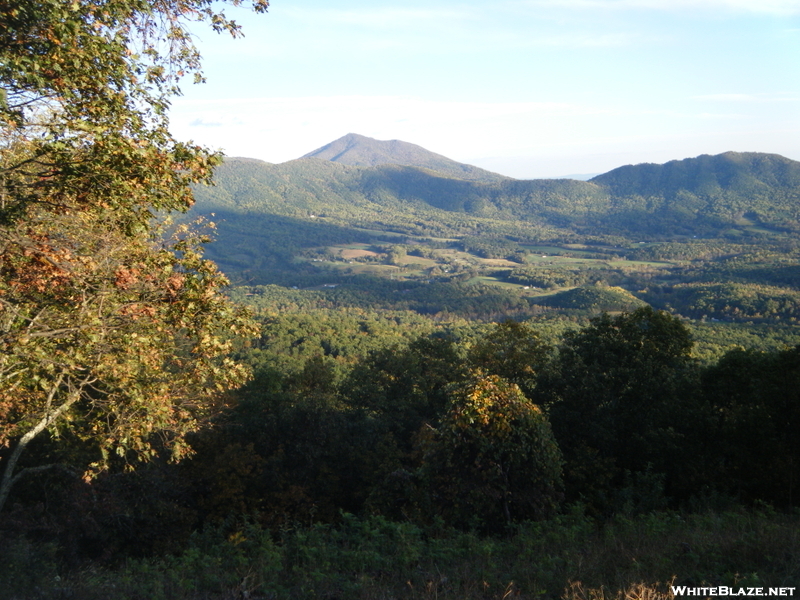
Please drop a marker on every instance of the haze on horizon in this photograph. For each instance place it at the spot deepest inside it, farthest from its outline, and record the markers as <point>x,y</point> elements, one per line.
<point>526,88</point>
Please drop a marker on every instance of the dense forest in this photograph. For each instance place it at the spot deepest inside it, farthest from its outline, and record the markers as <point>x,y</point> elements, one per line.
<point>399,376</point>
<point>376,448</point>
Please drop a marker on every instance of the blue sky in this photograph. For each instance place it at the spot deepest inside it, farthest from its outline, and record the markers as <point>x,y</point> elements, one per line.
<point>527,88</point>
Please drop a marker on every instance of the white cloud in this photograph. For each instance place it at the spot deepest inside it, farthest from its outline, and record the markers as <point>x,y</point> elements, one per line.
<point>489,134</point>
<point>280,129</point>
<point>742,98</point>
<point>772,7</point>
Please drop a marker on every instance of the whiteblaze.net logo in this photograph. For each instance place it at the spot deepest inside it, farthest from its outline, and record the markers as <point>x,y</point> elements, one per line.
<point>723,590</point>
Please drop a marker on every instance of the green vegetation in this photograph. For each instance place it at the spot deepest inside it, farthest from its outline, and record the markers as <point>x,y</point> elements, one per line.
<point>743,197</point>
<point>423,469</point>
<point>359,150</point>
<point>113,329</point>
<point>373,558</point>
<point>524,244</point>
<point>594,298</point>
<point>428,382</point>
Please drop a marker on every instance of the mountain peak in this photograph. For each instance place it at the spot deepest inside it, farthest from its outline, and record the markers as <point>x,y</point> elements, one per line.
<point>360,150</point>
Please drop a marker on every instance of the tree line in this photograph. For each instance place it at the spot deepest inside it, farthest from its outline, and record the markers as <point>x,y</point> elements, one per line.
<point>476,432</point>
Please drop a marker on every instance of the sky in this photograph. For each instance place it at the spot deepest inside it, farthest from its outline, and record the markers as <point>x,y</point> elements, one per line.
<point>526,88</point>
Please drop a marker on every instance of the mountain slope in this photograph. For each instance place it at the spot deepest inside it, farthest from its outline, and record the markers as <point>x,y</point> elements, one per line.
<point>277,217</point>
<point>390,194</point>
<point>362,151</point>
<point>704,196</point>
<point>730,187</point>
<point>740,172</point>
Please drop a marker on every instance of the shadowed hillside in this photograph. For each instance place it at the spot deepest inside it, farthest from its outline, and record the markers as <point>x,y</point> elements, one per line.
<point>704,196</point>
<point>297,218</point>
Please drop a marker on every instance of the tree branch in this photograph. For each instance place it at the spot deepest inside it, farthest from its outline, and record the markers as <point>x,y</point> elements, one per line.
<point>44,422</point>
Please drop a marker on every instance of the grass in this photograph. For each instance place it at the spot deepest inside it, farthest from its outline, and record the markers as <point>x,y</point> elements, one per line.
<point>569,557</point>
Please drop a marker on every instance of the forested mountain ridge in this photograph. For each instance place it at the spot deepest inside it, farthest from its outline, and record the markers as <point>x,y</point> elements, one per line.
<point>730,186</point>
<point>359,150</point>
<point>703,196</point>
<point>706,237</point>
<point>736,171</point>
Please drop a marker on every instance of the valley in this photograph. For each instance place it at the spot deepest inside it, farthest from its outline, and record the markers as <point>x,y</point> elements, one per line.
<point>712,239</point>
<point>374,371</point>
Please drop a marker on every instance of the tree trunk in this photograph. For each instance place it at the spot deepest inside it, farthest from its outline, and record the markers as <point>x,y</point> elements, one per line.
<point>9,479</point>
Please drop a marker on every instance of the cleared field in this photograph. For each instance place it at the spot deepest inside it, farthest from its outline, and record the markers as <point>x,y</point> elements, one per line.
<point>355,253</point>
<point>640,263</point>
<point>366,269</point>
<point>417,262</point>
<point>506,285</point>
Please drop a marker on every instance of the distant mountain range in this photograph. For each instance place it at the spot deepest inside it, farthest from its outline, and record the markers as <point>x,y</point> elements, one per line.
<point>357,187</point>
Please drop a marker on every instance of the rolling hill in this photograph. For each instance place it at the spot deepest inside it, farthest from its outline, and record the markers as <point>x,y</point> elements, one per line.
<point>595,298</point>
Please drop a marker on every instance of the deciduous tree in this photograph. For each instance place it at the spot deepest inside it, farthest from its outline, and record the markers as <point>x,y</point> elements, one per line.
<point>106,325</point>
<point>619,398</point>
<point>513,351</point>
<point>493,459</point>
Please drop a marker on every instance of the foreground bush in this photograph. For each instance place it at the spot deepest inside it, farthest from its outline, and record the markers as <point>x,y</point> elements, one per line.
<point>568,557</point>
